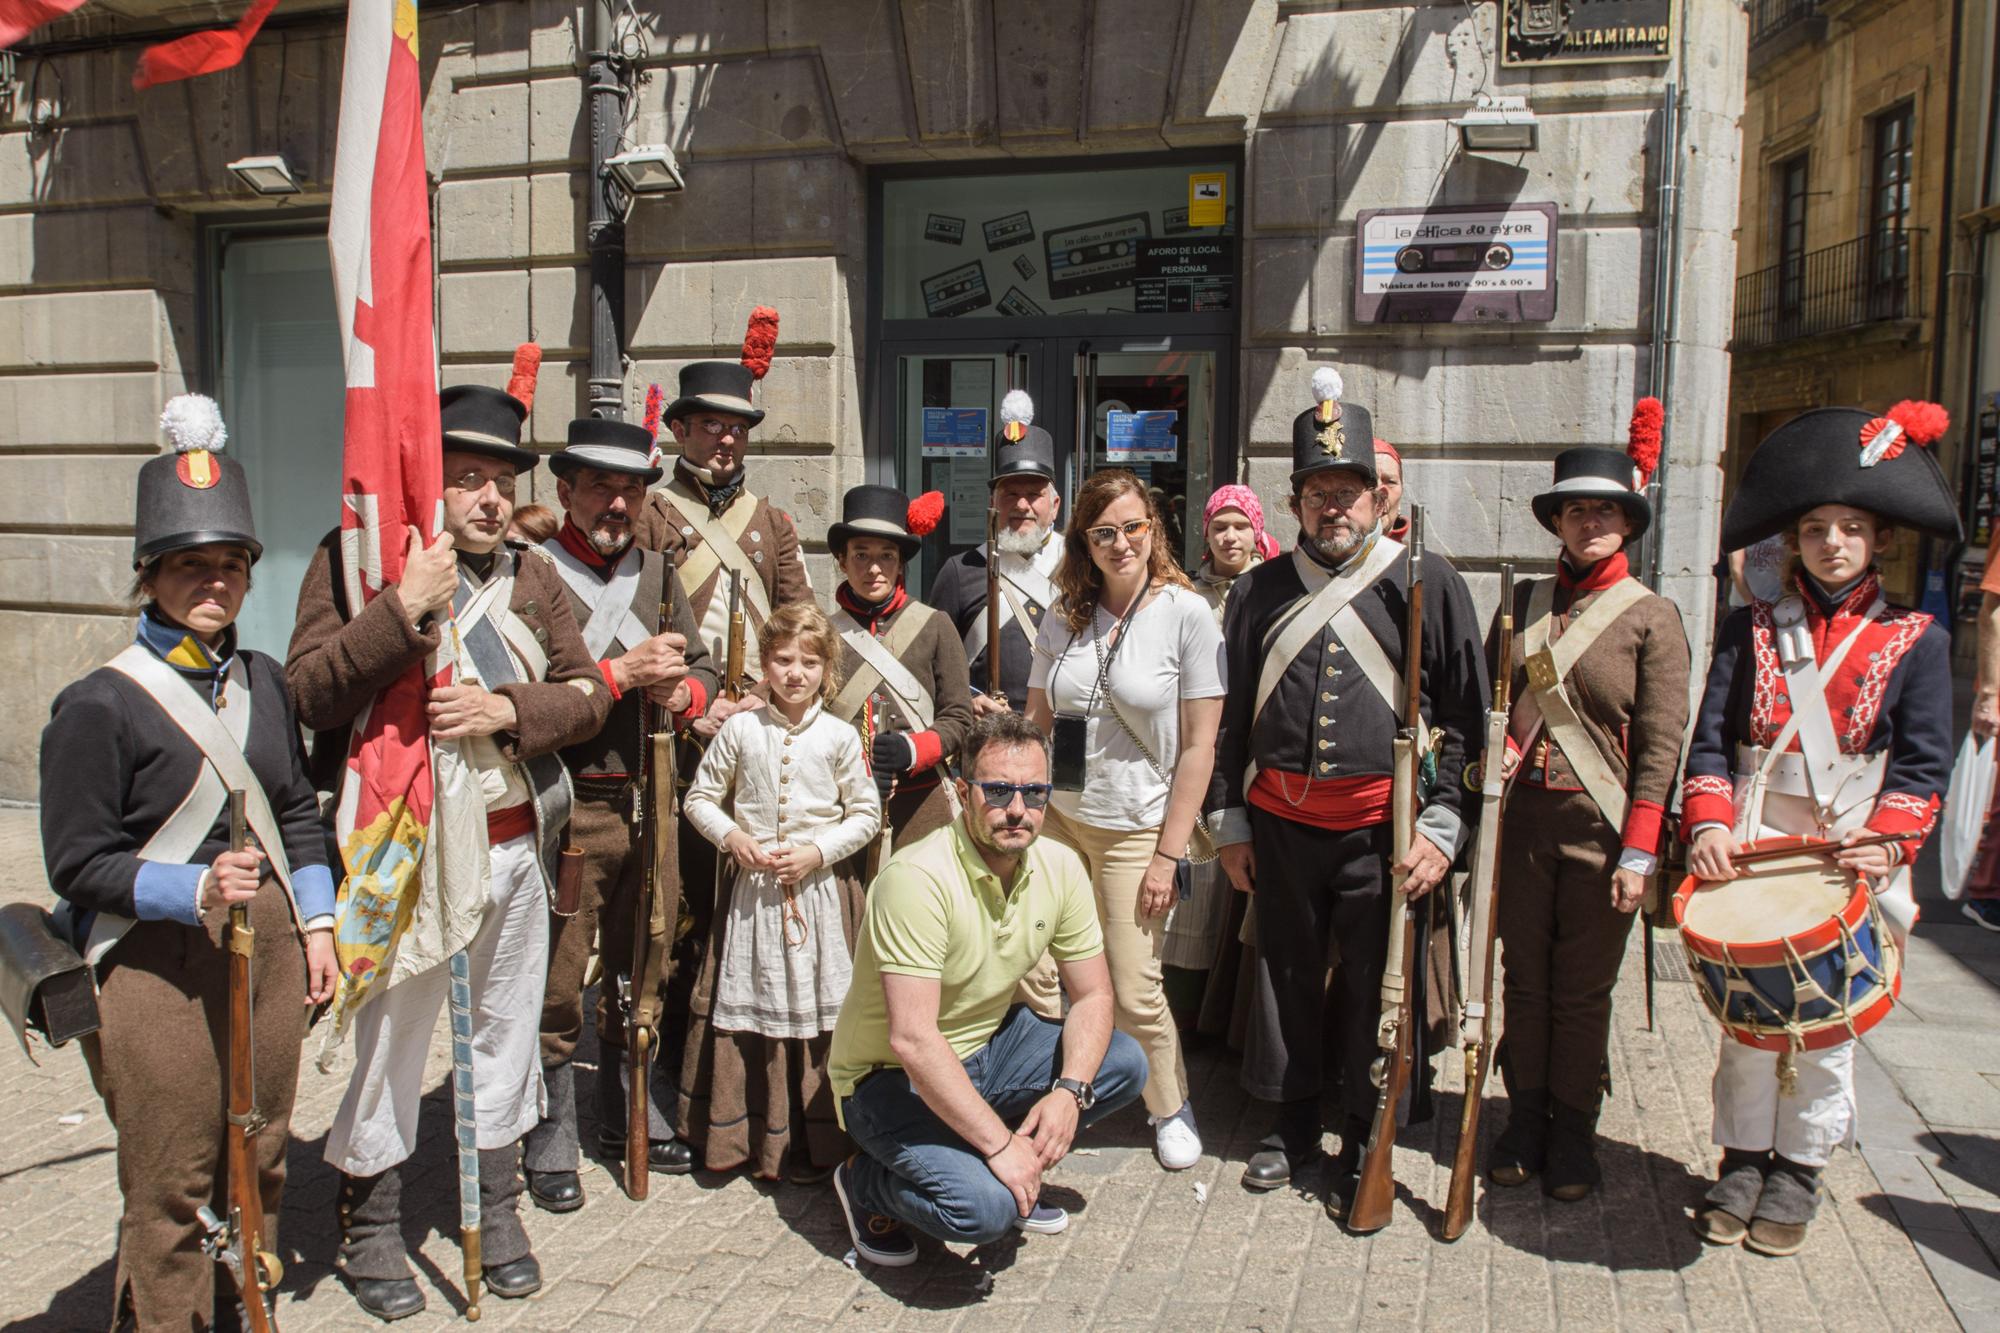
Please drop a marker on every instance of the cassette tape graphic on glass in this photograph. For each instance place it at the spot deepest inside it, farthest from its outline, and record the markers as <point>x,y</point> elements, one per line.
<point>957,291</point>
<point>1095,257</point>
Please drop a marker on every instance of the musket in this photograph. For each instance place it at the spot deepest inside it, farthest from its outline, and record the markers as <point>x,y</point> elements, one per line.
<point>650,917</point>
<point>879,849</point>
<point>1476,1028</point>
<point>993,605</point>
<point>732,676</point>
<point>1375,1195</point>
<point>238,1245</point>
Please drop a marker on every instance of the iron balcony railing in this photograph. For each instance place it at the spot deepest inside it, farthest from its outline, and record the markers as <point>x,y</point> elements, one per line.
<point>1867,280</point>
<point>1771,17</point>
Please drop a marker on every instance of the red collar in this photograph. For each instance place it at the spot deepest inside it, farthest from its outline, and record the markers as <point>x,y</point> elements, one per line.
<point>865,613</point>
<point>1859,598</point>
<point>579,546</point>
<point>1599,577</point>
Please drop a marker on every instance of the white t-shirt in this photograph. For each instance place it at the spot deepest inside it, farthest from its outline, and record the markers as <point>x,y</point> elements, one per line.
<point>1174,653</point>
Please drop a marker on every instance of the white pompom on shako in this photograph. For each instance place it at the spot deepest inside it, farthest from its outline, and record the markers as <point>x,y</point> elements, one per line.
<point>1017,413</point>
<point>193,421</point>
<point>1327,386</point>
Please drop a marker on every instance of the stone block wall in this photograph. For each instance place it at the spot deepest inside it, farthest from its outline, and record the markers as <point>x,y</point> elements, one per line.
<point>777,111</point>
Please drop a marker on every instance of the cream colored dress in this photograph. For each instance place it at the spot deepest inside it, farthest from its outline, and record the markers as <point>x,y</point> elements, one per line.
<point>785,967</point>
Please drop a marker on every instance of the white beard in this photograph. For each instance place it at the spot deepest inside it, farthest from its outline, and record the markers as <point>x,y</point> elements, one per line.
<point>1016,542</point>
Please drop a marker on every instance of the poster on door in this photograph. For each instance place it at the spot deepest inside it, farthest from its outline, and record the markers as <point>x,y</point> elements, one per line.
<point>1141,437</point>
<point>954,432</point>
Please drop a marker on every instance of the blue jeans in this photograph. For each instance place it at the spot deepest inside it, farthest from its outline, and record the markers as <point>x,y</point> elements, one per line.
<point>915,1168</point>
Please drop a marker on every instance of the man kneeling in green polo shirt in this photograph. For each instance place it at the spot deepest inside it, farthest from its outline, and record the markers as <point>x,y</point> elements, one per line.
<point>958,1097</point>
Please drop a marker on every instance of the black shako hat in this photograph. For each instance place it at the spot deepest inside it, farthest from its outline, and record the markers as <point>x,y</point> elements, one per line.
<point>1592,473</point>
<point>874,511</point>
<point>481,420</point>
<point>614,446</point>
<point>1020,447</point>
<point>1843,455</point>
<point>715,386</point>
<point>192,495</point>
<point>1332,434</point>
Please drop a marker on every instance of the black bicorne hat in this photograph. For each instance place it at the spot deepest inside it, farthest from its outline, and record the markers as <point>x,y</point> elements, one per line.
<point>1845,456</point>
<point>480,420</point>
<point>1591,473</point>
<point>1332,434</point>
<point>614,446</point>
<point>882,511</point>
<point>715,386</point>
<point>192,495</point>
<point>1020,447</point>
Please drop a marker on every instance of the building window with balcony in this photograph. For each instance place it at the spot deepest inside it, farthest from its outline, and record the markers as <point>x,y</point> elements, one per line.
<point>1891,158</point>
<point>1789,191</point>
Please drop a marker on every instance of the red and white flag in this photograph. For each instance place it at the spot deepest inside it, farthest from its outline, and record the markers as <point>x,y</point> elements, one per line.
<point>392,472</point>
<point>18,18</point>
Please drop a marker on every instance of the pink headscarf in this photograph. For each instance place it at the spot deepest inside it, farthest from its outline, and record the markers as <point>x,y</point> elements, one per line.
<point>1234,496</point>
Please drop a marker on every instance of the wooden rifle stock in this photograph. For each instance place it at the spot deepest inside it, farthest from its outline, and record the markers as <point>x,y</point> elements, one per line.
<point>733,664</point>
<point>240,1242</point>
<point>651,932</point>
<point>1375,1195</point>
<point>1477,1029</point>
<point>993,605</point>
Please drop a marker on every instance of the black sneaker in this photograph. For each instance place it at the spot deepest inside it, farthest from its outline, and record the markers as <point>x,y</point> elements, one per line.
<point>880,1240</point>
<point>1983,912</point>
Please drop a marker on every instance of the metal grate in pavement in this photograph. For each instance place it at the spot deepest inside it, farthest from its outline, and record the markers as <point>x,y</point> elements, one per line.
<point>1670,957</point>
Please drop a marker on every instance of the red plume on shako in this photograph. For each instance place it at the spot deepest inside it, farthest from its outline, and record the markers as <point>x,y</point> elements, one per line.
<point>1643,439</point>
<point>760,340</point>
<point>925,511</point>
<point>527,366</point>
<point>1907,422</point>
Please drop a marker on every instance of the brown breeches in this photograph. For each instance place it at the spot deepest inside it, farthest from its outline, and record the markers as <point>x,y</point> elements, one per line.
<point>612,872</point>
<point>1562,942</point>
<point>161,1064</point>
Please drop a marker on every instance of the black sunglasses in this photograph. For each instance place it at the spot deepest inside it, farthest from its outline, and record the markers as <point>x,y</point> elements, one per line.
<point>1034,795</point>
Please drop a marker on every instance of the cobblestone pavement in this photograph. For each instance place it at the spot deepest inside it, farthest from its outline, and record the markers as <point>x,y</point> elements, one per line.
<point>1146,1249</point>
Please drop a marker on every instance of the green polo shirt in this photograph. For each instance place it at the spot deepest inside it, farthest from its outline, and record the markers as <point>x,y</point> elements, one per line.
<point>936,910</point>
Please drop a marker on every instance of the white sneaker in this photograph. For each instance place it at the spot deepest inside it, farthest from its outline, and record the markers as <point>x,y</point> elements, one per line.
<point>1176,1140</point>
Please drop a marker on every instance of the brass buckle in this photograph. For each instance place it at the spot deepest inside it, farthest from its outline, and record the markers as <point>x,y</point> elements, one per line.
<point>1542,671</point>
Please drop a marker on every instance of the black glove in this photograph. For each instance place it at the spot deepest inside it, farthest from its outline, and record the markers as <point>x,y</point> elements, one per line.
<point>892,754</point>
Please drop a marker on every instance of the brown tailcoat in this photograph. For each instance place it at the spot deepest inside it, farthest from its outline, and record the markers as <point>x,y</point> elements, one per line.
<point>771,540</point>
<point>339,662</point>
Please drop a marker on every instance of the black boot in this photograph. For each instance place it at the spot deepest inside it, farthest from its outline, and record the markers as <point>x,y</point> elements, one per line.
<point>1785,1208</point>
<point>1725,1212</point>
<point>1571,1170</point>
<point>1522,1149</point>
<point>1354,1132</point>
<point>665,1155</point>
<point>511,1270</point>
<point>1288,1149</point>
<point>550,1152</point>
<point>371,1246</point>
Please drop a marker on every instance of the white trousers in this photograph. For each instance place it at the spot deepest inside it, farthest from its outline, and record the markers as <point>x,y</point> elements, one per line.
<point>1753,1114</point>
<point>376,1126</point>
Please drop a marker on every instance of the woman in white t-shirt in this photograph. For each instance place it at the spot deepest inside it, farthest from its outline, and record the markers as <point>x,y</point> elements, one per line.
<point>1127,680</point>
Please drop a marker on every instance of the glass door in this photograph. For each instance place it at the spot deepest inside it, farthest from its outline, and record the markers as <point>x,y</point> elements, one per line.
<point>946,400</point>
<point>1154,407</point>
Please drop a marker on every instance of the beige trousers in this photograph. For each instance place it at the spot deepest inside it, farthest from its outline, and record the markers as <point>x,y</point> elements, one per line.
<point>1117,861</point>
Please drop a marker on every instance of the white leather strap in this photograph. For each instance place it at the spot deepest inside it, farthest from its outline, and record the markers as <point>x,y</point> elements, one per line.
<point>882,664</point>
<point>721,545</point>
<point>1020,586</point>
<point>1549,667</point>
<point>1309,616</point>
<point>610,620</point>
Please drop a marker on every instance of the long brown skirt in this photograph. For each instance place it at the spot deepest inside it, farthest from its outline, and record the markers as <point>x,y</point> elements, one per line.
<point>746,1098</point>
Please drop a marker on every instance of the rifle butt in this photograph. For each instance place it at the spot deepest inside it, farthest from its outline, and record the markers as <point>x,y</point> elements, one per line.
<point>1375,1195</point>
<point>638,1139</point>
<point>1465,1157</point>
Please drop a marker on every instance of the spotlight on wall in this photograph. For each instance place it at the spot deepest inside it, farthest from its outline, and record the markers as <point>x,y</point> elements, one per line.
<point>1498,125</point>
<point>649,169</point>
<point>266,175</point>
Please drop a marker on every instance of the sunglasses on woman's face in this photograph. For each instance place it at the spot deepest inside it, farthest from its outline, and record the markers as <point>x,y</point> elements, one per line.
<point>1108,534</point>
<point>1034,795</point>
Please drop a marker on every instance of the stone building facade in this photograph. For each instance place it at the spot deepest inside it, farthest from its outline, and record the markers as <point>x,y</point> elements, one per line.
<point>820,141</point>
<point>1844,256</point>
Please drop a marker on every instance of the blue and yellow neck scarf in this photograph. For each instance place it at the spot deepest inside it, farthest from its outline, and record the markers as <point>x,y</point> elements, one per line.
<point>201,666</point>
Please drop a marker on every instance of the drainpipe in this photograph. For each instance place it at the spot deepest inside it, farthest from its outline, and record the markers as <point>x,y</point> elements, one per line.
<point>1666,319</point>
<point>606,90</point>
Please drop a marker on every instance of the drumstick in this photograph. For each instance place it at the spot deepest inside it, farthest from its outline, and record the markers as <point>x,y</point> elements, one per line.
<point>1812,848</point>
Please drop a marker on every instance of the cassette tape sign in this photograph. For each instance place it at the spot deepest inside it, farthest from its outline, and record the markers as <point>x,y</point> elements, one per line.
<point>1095,257</point>
<point>1461,264</point>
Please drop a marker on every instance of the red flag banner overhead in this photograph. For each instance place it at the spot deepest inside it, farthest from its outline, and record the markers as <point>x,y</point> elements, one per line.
<point>392,468</point>
<point>18,18</point>
<point>201,52</point>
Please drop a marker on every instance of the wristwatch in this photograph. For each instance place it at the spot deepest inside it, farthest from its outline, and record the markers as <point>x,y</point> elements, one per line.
<point>1086,1096</point>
